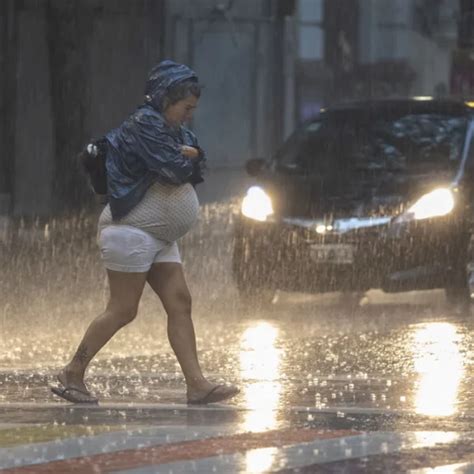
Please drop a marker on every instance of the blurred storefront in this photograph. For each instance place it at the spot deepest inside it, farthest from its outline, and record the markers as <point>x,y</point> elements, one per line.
<point>374,49</point>
<point>73,69</point>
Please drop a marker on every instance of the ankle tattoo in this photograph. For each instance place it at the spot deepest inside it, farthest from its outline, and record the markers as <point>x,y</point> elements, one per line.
<point>81,355</point>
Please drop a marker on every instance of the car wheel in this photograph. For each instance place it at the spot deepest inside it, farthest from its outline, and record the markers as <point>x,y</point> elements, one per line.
<point>257,297</point>
<point>252,273</point>
<point>350,299</point>
<point>253,287</point>
<point>458,294</point>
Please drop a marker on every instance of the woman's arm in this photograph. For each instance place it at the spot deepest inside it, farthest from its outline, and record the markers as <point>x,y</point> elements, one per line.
<point>199,163</point>
<point>161,152</point>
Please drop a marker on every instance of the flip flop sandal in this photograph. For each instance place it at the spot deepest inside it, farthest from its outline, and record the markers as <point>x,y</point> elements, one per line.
<point>214,395</point>
<point>68,394</point>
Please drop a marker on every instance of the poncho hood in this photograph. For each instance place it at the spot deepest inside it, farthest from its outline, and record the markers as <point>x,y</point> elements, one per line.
<point>161,77</point>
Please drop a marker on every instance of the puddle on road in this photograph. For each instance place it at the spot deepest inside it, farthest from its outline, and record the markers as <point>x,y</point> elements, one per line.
<point>302,350</point>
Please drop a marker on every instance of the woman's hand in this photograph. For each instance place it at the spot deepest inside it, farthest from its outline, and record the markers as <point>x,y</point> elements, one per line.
<point>189,151</point>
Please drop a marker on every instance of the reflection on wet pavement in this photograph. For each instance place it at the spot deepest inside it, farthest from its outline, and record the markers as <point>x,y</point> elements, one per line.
<point>439,362</point>
<point>405,361</point>
<point>260,367</point>
<point>400,363</point>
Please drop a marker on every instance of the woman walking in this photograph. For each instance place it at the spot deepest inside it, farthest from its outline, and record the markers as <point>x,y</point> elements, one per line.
<point>153,163</point>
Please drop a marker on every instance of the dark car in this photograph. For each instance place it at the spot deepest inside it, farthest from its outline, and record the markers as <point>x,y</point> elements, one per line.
<point>367,195</point>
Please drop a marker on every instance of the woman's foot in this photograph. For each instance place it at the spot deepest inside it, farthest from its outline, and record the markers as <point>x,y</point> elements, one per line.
<point>72,388</point>
<point>70,379</point>
<point>210,393</point>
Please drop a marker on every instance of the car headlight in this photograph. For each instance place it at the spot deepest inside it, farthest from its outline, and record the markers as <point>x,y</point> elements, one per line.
<point>436,203</point>
<point>257,204</point>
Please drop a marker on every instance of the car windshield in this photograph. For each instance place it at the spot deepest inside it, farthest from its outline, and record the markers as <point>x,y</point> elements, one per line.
<point>404,143</point>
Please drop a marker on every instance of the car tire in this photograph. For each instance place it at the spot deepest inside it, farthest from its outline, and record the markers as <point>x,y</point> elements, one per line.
<point>458,294</point>
<point>253,291</point>
<point>350,299</point>
<point>458,300</point>
<point>252,280</point>
<point>259,298</point>
<point>457,297</point>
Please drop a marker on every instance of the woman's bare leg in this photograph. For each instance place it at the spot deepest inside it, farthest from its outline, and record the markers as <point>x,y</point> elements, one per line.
<point>169,283</point>
<point>125,293</point>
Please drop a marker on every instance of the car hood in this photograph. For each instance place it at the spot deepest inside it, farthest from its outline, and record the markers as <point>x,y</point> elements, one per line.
<point>371,194</point>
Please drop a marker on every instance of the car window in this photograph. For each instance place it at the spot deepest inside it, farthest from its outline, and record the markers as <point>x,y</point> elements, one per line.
<point>401,143</point>
<point>312,148</point>
<point>409,141</point>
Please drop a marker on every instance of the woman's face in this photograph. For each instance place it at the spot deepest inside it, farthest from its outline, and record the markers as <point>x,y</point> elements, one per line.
<point>181,111</point>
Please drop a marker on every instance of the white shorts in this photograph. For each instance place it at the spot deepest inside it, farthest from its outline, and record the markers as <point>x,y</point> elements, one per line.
<point>128,249</point>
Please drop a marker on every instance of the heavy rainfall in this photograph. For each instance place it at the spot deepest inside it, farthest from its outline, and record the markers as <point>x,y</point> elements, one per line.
<point>383,351</point>
<point>331,267</point>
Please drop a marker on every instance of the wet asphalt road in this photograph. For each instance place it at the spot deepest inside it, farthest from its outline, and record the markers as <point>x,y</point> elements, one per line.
<point>394,363</point>
<point>398,363</point>
<point>395,353</point>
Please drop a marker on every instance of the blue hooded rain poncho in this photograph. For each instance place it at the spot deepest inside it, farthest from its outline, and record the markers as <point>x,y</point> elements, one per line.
<point>145,149</point>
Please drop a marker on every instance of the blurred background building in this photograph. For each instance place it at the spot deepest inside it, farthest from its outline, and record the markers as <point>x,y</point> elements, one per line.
<point>73,69</point>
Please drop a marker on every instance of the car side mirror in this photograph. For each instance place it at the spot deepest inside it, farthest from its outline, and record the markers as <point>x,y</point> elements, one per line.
<point>254,166</point>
